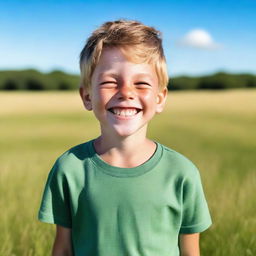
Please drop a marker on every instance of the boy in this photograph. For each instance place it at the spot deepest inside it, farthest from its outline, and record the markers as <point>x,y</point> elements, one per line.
<point>122,194</point>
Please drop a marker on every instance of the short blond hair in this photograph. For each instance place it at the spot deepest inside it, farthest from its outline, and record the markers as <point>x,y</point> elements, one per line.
<point>144,42</point>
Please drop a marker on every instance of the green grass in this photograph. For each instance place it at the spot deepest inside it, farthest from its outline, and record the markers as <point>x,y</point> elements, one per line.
<point>216,130</point>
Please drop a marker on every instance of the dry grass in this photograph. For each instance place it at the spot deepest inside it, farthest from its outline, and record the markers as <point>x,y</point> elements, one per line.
<point>216,130</point>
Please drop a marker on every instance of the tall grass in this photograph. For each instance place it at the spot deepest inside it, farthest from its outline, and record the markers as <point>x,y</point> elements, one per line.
<point>216,130</point>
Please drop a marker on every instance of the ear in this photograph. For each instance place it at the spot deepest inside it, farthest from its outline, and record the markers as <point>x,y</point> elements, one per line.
<point>86,98</point>
<point>161,99</point>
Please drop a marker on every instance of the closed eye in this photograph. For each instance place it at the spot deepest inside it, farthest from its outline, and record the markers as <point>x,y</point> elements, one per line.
<point>143,84</point>
<point>108,82</point>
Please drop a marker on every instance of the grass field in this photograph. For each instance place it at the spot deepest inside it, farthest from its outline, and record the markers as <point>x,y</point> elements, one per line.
<point>216,130</point>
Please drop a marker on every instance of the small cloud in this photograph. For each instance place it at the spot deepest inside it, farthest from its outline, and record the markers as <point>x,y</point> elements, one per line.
<point>199,38</point>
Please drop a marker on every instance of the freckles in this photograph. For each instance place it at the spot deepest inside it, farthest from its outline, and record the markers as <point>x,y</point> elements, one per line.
<point>149,96</point>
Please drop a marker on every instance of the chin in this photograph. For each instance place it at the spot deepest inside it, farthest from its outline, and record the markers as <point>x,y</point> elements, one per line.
<point>127,131</point>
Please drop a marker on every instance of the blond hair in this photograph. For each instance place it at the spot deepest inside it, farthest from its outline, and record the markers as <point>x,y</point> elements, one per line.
<point>144,42</point>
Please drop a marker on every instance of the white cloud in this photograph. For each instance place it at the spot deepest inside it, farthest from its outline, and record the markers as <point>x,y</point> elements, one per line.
<point>199,38</point>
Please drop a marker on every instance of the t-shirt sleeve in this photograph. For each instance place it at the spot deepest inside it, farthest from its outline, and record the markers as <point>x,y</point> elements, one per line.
<point>195,213</point>
<point>55,206</point>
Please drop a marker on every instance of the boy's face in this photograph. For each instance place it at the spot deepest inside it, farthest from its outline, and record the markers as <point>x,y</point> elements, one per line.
<point>124,96</point>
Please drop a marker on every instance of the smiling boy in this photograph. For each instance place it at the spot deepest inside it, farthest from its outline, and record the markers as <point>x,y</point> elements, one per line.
<point>123,194</point>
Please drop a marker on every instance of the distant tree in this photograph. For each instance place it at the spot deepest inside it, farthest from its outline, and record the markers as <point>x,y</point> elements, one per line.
<point>10,84</point>
<point>183,83</point>
<point>251,83</point>
<point>34,85</point>
<point>174,85</point>
<point>64,86</point>
<point>31,79</point>
<point>212,84</point>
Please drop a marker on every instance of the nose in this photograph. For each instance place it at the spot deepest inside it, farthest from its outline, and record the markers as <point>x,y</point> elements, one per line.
<point>126,92</point>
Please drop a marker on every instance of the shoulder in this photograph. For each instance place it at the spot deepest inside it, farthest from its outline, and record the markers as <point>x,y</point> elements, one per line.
<point>179,163</point>
<point>72,159</point>
<point>79,152</point>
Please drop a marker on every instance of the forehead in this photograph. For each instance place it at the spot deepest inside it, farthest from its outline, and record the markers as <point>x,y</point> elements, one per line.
<point>114,60</point>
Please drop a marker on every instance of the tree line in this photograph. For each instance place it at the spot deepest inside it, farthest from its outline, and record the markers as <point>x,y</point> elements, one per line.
<point>34,80</point>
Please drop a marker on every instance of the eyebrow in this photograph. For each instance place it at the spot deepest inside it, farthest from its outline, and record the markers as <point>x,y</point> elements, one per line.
<point>107,74</point>
<point>116,75</point>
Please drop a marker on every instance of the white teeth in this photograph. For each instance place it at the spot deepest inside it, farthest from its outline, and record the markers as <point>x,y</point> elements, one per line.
<point>124,112</point>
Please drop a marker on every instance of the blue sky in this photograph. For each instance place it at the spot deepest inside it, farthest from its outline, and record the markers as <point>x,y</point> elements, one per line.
<point>200,37</point>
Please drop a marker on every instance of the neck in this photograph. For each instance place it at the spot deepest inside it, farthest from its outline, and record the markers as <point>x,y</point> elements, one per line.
<point>125,152</point>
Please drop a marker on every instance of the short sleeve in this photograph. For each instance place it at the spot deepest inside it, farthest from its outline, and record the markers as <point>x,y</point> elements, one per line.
<point>195,213</point>
<point>55,206</point>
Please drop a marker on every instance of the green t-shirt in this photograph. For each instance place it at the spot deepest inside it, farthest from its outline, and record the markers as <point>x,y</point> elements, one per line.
<point>116,211</point>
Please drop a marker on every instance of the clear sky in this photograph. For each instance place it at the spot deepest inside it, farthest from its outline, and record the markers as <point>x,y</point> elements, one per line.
<point>200,37</point>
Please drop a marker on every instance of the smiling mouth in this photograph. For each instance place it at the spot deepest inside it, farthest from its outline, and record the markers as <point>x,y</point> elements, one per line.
<point>125,112</point>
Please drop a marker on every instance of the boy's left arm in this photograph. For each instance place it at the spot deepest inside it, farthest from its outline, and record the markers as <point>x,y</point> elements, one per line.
<point>189,244</point>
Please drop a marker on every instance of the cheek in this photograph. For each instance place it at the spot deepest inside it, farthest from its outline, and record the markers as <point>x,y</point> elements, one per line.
<point>149,97</point>
<point>100,98</point>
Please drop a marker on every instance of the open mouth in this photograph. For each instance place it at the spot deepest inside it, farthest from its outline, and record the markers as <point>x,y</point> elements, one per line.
<point>125,112</point>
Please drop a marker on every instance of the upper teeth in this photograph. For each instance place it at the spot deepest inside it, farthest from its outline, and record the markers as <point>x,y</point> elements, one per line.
<point>124,112</point>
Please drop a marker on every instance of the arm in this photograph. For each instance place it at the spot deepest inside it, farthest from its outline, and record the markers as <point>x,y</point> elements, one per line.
<point>189,244</point>
<point>62,245</point>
